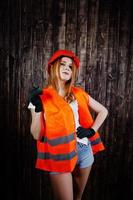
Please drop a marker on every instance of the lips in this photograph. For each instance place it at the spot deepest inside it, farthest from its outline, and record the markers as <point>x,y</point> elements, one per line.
<point>66,73</point>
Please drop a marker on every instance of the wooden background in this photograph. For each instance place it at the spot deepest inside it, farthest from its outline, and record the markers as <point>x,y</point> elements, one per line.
<point>100,32</point>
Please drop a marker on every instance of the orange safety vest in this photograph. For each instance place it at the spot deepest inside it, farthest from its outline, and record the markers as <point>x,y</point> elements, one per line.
<point>57,152</point>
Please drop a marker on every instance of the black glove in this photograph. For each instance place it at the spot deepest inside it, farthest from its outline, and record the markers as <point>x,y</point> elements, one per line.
<point>85,132</point>
<point>35,99</point>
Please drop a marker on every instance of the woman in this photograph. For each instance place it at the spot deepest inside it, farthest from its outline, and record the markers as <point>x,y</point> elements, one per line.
<point>66,134</point>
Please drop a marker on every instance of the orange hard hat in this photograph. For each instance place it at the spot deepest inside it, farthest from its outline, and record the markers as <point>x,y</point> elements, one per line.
<point>62,53</point>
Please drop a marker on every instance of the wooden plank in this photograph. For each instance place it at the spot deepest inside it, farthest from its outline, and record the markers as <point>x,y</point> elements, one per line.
<point>81,42</point>
<point>58,22</point>
<point>91,57</point>
<point>71,25</point>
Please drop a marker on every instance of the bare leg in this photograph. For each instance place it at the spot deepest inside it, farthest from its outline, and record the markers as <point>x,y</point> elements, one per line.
<point>62,186</point>
<point>80,179</point>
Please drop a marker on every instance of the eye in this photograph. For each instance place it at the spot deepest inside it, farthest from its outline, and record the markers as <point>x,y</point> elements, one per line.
<point>63,64</point>
<point>70,67</point>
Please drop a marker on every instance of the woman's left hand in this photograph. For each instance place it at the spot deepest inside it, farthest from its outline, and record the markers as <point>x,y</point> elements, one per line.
<point>85,132</point>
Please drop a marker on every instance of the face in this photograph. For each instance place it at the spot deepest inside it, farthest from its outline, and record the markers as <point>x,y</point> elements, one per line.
<point>65,69</point>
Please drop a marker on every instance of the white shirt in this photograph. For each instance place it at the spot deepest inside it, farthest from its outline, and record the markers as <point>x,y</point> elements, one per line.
<point>74,107</point>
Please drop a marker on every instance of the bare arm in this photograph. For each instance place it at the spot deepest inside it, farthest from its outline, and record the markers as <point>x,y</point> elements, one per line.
<point>35,124</point>
<point>101,111</point>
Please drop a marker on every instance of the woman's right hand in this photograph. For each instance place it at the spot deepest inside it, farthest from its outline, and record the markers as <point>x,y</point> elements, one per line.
<point>35,99</point>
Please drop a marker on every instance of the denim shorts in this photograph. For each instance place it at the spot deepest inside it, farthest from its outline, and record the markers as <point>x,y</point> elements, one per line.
<point>85,156</point>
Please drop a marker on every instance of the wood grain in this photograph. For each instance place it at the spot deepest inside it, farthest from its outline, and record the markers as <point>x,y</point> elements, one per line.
<point>100,32</point>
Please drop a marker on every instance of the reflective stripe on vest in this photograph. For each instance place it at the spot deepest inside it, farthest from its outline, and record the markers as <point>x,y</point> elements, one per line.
<point>97,141</point>
<point>59,140</point>
<point>57,157</point>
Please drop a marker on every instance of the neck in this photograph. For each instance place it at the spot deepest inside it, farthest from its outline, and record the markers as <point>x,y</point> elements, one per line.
<point>61,90</point>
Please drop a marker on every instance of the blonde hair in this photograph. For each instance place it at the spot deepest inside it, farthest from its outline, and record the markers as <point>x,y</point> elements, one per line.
<point>53,80</point>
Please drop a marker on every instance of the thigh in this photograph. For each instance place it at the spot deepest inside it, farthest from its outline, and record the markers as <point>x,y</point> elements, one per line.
<point>83,168</point>
<point>80,177</point>
<point>62,186</point>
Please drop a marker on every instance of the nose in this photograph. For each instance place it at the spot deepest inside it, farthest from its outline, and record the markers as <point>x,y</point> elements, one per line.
<point>66,67</point>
